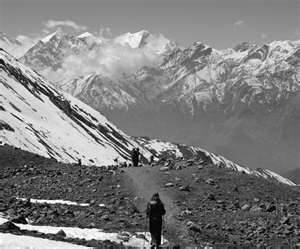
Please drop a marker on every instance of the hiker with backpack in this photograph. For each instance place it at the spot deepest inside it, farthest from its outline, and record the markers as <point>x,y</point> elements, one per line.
<point>155,213</point>
<point>135,156</point>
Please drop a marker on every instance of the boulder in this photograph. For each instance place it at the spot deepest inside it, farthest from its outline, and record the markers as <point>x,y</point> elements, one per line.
<point>169,184</point>
<point>245,207</point>
<point>186,188</point>
<point>270,207</point>
<point>9,227</point>
<point>211,197</point>
<point>193,227</point>
<point>210,181</point>
<point>124,236</point>
<point>255,208</point>
<point>61,233</point>
<point>164,168</point>
<point>19,219</point>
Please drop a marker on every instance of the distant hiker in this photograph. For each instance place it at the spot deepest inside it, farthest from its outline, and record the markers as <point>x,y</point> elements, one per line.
<point>79,162</point>
<point>138,154</point>
<point>135,157</point>
<point>151,160</point>
<point>155,212</point>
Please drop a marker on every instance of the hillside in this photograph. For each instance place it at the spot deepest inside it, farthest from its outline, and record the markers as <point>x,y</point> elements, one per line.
<point>206,205</point>
<point>37,118</point>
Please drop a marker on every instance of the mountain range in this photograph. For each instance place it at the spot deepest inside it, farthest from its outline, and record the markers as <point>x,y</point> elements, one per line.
<point>241,102</point>
<point>36,117</point>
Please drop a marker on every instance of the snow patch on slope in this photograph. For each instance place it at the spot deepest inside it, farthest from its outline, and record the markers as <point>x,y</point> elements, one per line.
<point>52,202</point>
<point>11,241</point>
<point>90,234</point>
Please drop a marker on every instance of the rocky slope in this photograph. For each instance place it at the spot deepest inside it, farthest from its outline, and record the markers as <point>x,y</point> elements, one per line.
<point>206,204</point>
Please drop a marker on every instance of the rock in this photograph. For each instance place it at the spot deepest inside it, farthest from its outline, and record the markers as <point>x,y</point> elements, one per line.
<point>255,208</point>
<point>270,207</point>
<point>193,227</point>
<point>210,181</point>
<point>61,233</point>
<point>9,226</point>
<point>164,168</point>
<point>245,207</point>
<point>105,217</point>
<point>141,236</point>
<point>200,167</point>
<point>92,202</point>
<point>92,225</point>
<point>211,197</point>
<point>169,184</point>
<point>178,167</point>
<point>186,188</point>
<point>19,219</point>
<point>285,220</point>
<point>124,236</point>
<point>186,212</point>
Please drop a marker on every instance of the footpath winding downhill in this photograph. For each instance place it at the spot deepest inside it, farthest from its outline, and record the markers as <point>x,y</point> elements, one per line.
<point>144,182</point>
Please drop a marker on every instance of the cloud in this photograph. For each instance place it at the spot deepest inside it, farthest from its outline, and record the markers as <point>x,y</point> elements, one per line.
<point>109,59</point>
<point>239,23</point>
<point>50,24</point>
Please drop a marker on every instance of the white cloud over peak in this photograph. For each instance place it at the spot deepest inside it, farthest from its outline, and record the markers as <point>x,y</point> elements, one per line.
<point>51,24</point>
<point>109,59</point>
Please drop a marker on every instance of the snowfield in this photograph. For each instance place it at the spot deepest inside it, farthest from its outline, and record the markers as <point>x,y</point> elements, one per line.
<point>62,202</point>
<point>10,240</point>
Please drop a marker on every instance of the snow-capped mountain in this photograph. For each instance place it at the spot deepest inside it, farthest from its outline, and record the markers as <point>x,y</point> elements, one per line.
<point>157,43</point>
<point>37,118</point>
<point>52,51</point>
<point>227,100</point>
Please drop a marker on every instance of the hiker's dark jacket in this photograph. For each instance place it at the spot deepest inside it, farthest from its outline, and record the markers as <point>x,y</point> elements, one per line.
<point>135,154</point>
<point>155,211</point>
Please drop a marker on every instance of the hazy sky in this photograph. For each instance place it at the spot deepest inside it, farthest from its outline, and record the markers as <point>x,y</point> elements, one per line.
<point>220,23</point>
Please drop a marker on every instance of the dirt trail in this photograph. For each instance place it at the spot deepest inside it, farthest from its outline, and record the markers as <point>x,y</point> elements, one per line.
<point>145,181</point>
<point>144,184</point>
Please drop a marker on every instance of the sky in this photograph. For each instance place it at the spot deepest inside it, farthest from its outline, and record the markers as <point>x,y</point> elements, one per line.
<point>219,23</point>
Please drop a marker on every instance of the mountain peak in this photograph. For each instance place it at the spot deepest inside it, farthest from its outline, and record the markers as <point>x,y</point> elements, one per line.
<point>49,37</point>
<point>85,34</point>
<point>133,40</point>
